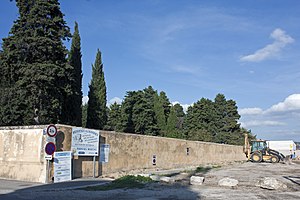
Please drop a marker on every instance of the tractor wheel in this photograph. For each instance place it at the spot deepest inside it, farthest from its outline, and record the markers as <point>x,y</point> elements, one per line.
<point>256,157</point>
<point>274,159</point>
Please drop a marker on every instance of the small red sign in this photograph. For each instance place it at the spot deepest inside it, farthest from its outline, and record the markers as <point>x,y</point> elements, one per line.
<point>50,148</point>
<point>51,130</point>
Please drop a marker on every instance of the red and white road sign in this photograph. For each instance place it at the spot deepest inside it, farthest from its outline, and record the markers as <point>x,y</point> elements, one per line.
<point>51,130</point>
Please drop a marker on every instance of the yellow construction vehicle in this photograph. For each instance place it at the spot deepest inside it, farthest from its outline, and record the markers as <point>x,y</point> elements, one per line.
<point>258,151</point>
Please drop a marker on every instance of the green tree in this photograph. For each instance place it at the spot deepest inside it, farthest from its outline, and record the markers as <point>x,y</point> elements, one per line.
<point>164,100</point>
<point>125,123</point>
<point>228,129</point>
<point>173,125</point>
<point>159,115</point>
<point>199,122</point>
<point>143,114</point>
<point>137,113</point>
<point>84,114</point>
<point>179,110</point>
<point>114,116</point>
<point>71,110</point>
<point>33,64</point>
<point>96,112</point>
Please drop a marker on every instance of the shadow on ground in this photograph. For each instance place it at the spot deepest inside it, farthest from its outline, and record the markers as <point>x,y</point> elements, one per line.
<point>71,190</point>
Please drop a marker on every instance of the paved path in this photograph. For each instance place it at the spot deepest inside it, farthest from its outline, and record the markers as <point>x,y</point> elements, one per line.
<point>11,189</point>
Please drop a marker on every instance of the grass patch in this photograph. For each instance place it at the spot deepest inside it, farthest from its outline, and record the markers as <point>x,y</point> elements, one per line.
<point>206,169</point>
<point>125,182</point>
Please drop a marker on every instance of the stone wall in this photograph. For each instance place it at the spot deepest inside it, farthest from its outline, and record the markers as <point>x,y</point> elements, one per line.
<point>129,152</point>
<point>22,155</point>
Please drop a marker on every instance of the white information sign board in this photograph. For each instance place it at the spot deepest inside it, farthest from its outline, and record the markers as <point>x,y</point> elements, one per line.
<point>85,142</point>
<point>104,153</point>
<point>62,166</point>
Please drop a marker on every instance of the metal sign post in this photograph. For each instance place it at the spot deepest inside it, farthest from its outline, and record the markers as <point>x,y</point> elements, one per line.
<point>94,167</point>
<point>50,147</point>
<point>48,171</point>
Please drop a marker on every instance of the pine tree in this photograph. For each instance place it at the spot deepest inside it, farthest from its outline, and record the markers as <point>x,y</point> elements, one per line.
<point>33,65</point>
<point>165,103</point>
<point>228,128</point>
<point>160,115</point>
<point>179,110</point>
<point>137,113</point>
<point>199,123</point>
<point>97,112</point>
<point>71,109</point>
<point>125,123</point>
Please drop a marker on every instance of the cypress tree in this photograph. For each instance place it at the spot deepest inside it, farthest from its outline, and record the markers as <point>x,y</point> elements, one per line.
<point>71,110</point>
<point>172,125</point>
<point>33,65</point>
<point>84,114</point>
<point>97,112</point>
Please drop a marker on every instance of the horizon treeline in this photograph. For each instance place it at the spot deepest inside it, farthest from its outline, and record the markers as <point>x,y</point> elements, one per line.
<point>149,112</point>
<point>41,83</point>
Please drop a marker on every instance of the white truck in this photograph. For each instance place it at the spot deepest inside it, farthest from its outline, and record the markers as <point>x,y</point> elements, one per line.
<point>286,147</point>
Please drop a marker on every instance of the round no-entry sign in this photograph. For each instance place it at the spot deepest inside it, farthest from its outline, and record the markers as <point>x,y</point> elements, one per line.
<point>50,148</point>
<point>51,130</point>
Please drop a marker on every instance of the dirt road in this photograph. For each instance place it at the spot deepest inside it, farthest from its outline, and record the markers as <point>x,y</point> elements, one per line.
<point>247,174</point>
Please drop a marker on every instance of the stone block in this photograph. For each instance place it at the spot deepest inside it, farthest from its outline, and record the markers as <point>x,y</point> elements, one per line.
<point>196,180</point>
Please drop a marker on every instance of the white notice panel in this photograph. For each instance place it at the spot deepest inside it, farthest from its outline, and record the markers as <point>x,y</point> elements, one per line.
<point>104,153</point>
<point>85,142</point>
<point>62,166</point>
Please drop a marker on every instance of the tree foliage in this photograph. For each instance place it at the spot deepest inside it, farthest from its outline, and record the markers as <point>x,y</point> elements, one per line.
<point>97,112</point>
<point>114,116</point>
<point>214,121</point>
<point>33,65</point>
<point>71,109</point>
<point>39,84</point>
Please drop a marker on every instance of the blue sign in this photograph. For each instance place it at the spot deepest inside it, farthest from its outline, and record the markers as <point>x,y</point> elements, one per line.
<point>50,148</point>
<point>62,166</point>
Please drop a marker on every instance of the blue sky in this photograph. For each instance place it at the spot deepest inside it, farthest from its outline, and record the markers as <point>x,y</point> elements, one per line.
<point>248,50</point>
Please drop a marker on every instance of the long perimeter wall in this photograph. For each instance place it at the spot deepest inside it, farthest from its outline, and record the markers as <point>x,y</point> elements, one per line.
<point>129,152</point>
<point>22,154</point>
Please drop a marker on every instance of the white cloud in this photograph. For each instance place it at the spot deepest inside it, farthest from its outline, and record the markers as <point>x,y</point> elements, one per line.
<point>281,40</point>
<point>85,99</point>
<point>253,123</point>
<point>291,103</point>
<point>113,100</point>
<point>185,69</point>
<point>250,111</point>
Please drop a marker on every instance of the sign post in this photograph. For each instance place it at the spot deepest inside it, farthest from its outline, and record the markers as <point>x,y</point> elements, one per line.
<point>50,146</point>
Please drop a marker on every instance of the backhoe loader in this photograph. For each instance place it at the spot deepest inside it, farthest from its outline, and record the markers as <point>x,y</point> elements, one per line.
<point>258,151</point>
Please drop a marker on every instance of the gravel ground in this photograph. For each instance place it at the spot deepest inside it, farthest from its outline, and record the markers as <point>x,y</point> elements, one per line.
<point>246,173</point>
